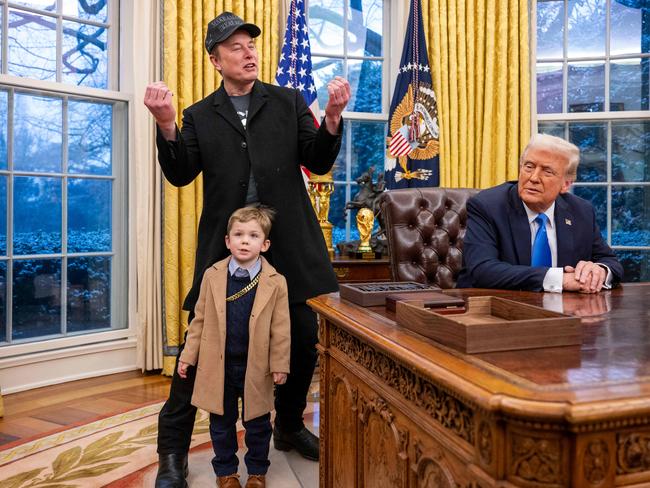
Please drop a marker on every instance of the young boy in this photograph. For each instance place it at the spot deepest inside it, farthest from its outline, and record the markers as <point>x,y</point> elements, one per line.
<point>240,337</point>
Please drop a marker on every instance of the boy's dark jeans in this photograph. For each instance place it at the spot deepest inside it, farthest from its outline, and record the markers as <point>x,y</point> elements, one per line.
<point>176,419</point>
<point>223,432</point>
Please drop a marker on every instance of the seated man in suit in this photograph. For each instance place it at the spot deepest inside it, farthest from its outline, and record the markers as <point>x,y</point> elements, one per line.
<point>533,234</point>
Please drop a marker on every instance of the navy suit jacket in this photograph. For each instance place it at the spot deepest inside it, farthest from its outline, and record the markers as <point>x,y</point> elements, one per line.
<point>497,246</point>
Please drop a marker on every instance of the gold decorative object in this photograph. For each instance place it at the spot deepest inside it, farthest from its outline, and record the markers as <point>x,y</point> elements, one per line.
<point>320,190</point>
<point>365,222</point>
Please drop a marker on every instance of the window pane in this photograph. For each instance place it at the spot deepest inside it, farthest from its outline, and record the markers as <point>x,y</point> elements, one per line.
<point>37,215</point>
<point>84,55</point>
<point>626,30</point>
<point>89,215</point>
<point>365,85</point>
<point>630,216</point>
<point>365,24</point>
<point>90,128</point>
<point>597,195</point>
<point>627,89</point>
<point>552,128</point>
<point>3,301</point>
<point>2,28</point>
<point>586,87</point>
<point>550,28</point>
<point>38,125</point>
<point>591,138</point>
<point>4,121</point>
<point>586,28</point>
<point>3,215</point>
<point>32,45</point>
<point>47,5</point>
<point>338,172</point>
<point>326,26</point>
<point>96,10</point>
<point>636,265</point>
<point>325,70</point>
<point>631,151</point>
<point>36,298</point>
<point>369,148</point>
<point>337,216</point>
<point>549,88</point>
<point>89,294</point>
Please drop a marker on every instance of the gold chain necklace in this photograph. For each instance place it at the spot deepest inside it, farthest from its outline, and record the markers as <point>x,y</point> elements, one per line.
<point>244,290</point>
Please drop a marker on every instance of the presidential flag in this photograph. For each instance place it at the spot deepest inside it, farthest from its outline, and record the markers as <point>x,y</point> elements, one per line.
<point>413,133</point>
<point>294,67</point>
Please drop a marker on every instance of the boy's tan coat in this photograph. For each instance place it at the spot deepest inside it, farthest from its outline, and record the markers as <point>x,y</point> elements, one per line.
<point>268,347</point>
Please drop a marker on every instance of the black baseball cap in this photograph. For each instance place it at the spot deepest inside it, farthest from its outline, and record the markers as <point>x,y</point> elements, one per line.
<point>223,26</point>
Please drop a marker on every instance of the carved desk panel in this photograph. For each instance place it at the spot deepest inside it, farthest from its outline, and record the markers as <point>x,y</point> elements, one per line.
<point>399,410</point>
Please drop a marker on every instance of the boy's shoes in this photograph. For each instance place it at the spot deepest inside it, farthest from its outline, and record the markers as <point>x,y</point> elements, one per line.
<point>172,471</point>
<point>302,441</point>
<point>256,481</point>
<point>230,481</point>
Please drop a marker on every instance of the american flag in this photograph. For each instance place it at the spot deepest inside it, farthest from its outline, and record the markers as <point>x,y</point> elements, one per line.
<point>294,68</point>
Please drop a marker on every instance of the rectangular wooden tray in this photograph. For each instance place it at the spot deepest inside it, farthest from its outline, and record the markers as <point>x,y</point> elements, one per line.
<point>492,324</point>
<point>374,293</point>
<point>426,299</point>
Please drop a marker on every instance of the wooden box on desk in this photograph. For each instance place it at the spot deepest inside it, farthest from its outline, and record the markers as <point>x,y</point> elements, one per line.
<point>492,324</point>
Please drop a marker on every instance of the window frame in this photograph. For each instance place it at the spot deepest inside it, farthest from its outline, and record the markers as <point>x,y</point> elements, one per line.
<point>121,270</point>
<point>606,117</point>
<point>392,10</point>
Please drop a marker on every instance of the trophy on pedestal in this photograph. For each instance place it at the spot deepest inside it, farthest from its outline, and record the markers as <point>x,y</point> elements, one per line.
<point>320,191</point>
<point>365,223</point>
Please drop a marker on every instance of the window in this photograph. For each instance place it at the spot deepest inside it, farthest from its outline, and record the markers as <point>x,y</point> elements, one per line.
<point>62,171</point>
<point>593,88</point>
<point>348,39</point>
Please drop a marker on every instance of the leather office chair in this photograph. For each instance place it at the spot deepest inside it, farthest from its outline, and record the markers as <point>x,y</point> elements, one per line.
<point>425,228</point>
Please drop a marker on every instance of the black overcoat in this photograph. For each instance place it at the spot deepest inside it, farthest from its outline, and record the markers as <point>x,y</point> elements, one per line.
<point>279,136</point>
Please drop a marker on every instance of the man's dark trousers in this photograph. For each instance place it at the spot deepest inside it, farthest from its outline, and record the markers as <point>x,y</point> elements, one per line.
<point>176,419</point>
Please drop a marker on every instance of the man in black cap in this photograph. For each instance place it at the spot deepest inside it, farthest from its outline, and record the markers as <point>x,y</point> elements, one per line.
<point>249,139</point>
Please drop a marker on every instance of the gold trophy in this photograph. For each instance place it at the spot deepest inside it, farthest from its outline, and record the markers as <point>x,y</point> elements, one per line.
<point>365,223</point>
<point>321,188</point>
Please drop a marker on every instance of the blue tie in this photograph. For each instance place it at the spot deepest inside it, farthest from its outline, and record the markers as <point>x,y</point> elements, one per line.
<point>541,249</point>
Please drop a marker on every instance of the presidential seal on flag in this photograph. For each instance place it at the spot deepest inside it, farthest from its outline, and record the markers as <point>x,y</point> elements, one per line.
<point>414,129</point>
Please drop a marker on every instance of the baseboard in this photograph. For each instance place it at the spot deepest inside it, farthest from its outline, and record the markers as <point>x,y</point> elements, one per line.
<point>51,368</point>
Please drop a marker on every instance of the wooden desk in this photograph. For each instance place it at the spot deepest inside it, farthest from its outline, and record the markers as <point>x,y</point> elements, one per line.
<point>350,270</point>
<point>399,410</point>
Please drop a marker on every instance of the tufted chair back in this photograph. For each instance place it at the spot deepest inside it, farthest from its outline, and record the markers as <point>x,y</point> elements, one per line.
<point>425,228</point>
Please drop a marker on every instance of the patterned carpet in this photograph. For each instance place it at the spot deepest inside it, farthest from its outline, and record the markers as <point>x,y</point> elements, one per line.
<point>120,452</point>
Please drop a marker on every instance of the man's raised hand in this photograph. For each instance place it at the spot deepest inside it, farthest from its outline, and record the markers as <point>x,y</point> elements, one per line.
<point>338,91</point>
<point>158,99</point>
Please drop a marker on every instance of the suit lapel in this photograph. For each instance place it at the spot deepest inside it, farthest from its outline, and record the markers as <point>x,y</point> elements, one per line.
<point>258,100</point>
<point>564,232</point>
<point>519,226</point>
<point>262,295</point>
<point>224,108</point>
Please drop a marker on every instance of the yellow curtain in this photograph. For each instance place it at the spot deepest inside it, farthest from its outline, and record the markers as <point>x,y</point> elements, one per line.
<point>478,52</point>
<point>191,77</point>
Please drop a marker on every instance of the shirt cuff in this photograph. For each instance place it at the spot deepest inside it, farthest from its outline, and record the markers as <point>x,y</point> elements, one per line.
<point>553,280</point>
<point>607,284</point>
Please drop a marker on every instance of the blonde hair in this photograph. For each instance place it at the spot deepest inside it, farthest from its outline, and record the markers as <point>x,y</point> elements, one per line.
<point>558,145</point>
<point>260,214</point>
